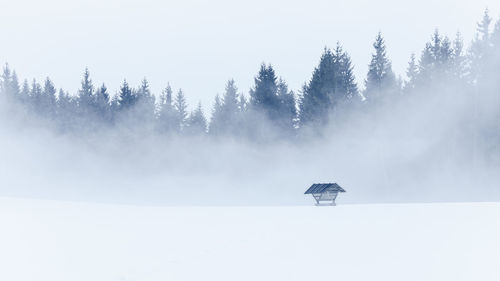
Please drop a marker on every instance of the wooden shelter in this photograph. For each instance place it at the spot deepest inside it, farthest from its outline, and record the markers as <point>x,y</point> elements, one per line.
<point>324,193</point>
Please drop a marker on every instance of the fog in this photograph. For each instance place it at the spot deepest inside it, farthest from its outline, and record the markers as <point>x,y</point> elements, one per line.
<point>438,142</point>
<point>405,155</point>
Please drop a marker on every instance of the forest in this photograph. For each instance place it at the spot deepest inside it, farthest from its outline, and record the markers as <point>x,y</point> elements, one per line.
<point>449,81</point>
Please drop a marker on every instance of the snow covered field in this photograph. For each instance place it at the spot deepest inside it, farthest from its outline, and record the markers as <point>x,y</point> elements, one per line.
<point>66,241</point>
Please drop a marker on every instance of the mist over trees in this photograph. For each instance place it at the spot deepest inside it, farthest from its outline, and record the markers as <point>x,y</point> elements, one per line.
<point>446,72</point>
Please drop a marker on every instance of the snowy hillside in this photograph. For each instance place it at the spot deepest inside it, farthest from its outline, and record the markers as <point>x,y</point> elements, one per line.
<point>64,241</point>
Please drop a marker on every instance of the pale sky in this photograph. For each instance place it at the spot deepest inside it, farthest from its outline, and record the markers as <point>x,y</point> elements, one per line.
<point>198,45</point>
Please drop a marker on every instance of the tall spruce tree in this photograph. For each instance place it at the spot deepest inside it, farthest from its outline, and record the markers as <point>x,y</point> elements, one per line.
<point>226,113</point>
<point>48,99</point>
<point>197,123</point>
<point>65,111</point>
<point>102,104</point>
<point>380,80</point>
<point>167,116</point>
<point>436,62</point>
<point>348,87</point>
<point>242,103</point>
<point>86,94</point>
<point>288,108</point>
<point>36,97</point>
<point>216,120</point>
<point>24,94</point>
<point>145,107</point>
<point>459,62</point>
<point>127,97</point>
<point>331,85</point>
<point>230,101</point>
<point>480,50</point>
<point>263,96</point>
<point>9,84</point>
<point>180,106</point>
<point>411,74</point>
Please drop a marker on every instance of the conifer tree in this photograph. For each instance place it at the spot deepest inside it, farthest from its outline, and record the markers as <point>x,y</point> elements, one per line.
<point>167,116</point>
<point>483,27</point>
<point>24,94</point>
<point>14,86</point>
<point>316,100</point>
<point>230,101</point>
<point>287,109</point>
<point>197,123</point>
<point>226,113</point>
<point>411,74</point>
<point>180,106</point>
<point>86,93</point>
<point>348,87</point>
<point>36,97</point>
<point>459,61</point>
<point>9,84</point>
<point>380,79</point>
<point>263,96</point>
<point>145,107</point>
<point>436,62</point>
<point>242,103</point>
<point>47,101</point>
<point>480,49</point>
<point>65,111</point>
<point>127,98</point>
<point>102,104</point>
<point>216,120</point>
<point>331,85</point>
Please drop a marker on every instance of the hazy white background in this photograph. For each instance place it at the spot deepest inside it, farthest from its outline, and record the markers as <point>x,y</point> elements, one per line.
<point>198,45</point>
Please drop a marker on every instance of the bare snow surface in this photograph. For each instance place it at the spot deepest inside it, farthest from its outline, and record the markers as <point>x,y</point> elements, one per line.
<point>66,241</point>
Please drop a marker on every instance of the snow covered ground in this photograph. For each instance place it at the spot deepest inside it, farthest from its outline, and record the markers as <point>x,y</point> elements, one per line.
<point>66,241</point>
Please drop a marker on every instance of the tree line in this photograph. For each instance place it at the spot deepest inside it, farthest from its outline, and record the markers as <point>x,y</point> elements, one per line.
<point>270,109</point>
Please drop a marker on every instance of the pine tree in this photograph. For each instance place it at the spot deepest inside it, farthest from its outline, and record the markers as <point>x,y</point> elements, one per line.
<point>436,62</point>
<point>348,88</point>
<point>331,85</point>
<point>230,101</point>
<point>5,82</point>
<point>14,86</point>
<point>480,49</point>
<point>445,56</point>
<point>9,84</point>
<point>102,104</point>
<point>167,116</point>
<point>411,74</point>
<point>180,106</point>
<point>216,120</point>
<point>483,27</point>
<point>317,95</point>
<point>86,93</point>
<point>127,98</point>
<point>287,109</point>
<point>65,111</point>
<point>495,37</point>
<point>380,79</point>
<point>36,97</point>
<point>24,94</point>
<point>263,96</point>
<point>425,66</point>
<point>242,104</point>
<point>197,123</point>
<point>226,111</point>
<point>145,107</point>
<point>458,62</point>
<point>48,99</point>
